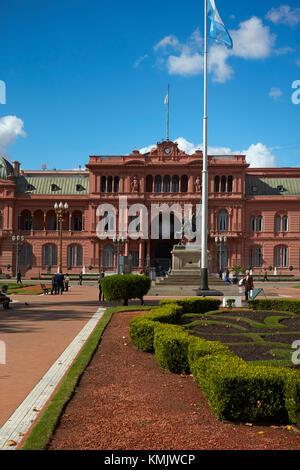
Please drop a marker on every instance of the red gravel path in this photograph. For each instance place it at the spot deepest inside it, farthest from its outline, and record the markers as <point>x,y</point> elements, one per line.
<point>125,401</point>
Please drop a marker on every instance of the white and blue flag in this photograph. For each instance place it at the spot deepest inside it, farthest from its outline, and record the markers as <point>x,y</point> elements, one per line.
<point>217,29</point>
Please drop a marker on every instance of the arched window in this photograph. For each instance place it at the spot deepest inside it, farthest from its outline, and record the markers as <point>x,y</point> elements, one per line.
<point>38,220</point>
<point>49,255</point>
<point>26,220</point>
<point>259,223</point>
<point>223,184</point>
<point>184,183</point>
<point>77,221</point>
<point>277,223</point>
<point>149,183</point>
<point>217,184</point>
<point>167,182</point>
<point>285,223</point>
<point>175,184</point>
<point>108,256</point>
<point>51,221</point>
<point>281,256</point>
<point>223,221</point>
<point>229,184</point>
<point>74,256</point>
<point>157,184</point>
<point>103,184</point>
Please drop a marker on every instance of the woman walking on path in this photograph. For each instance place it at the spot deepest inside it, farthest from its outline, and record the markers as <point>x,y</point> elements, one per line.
<point>249,286</point>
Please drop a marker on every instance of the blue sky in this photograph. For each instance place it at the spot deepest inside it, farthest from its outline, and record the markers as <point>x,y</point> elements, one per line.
<point>89,77</point>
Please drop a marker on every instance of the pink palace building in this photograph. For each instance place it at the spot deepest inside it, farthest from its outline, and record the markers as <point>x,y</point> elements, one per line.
<point>253,213</point>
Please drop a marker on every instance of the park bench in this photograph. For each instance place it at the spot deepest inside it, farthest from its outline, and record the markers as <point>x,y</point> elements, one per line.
<point>45,288</point>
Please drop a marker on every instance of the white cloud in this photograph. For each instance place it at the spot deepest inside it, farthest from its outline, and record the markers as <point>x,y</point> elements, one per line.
<point>275,93</point>
<point>283,50</point>
<point>284,15</point>
<point>257,155</point>
<point>140,60</point>
<point>252,40</point>
<point>11,128</point>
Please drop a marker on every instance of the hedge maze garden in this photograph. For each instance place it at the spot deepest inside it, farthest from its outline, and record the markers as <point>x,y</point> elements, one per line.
<point>241,359</point>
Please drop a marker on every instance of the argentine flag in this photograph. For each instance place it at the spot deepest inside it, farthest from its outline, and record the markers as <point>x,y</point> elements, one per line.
<point>217,29</point>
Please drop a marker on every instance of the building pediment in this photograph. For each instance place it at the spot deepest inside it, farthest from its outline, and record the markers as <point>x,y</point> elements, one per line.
<point>167,148</point>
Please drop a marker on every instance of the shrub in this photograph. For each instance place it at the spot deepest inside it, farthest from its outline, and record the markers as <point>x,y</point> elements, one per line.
<point>199,347</point>
<point>122,287</point>
<point>283,305</point>
<point>238,391</point>
<point>171,348</point>
<point>194,305</point>
<point>142,326</point>
<point>292,397</point>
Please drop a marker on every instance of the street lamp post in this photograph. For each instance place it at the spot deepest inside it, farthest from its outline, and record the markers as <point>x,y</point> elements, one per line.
<point>219,242</point>
<point>18,240</point>
<point>119,243</point>
<point>60,209</point>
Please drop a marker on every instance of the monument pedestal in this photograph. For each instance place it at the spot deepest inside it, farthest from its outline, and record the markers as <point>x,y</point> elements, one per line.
<point>186,263</point>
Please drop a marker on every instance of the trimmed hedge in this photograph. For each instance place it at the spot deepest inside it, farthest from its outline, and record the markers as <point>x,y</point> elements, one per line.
<point>194,305</point>
<point>236,390</point>
<point>283,305</point>
<point>122,287</point>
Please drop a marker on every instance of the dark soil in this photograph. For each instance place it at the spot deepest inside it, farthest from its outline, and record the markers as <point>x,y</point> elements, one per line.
<point>229,334</point>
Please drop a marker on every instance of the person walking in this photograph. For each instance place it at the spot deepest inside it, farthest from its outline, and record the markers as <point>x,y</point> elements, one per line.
<point>19,277</point>
<point>101,294</point>
<point>265,275</point>
<point>80,279</point>
<point>249,286</point>
<point>60,283</point>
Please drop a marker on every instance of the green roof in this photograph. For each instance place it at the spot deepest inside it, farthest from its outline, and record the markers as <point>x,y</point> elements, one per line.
<point>272,186</point>
<point>6,169</point>
<point>60,185</point>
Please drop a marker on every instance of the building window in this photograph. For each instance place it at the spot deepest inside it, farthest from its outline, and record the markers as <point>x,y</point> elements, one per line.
<point>281,256</point>
<point>116,184</point>
<point>277,223</point>
<point>223,221</point>
<point>167,181</point>
<point>26,220</point>
<point>184,183</point>
<point>74,256</point>
<point>49,255</point>
<point>109,184</point>
<point>25,256</point>
<point>134,258</point>
<point>256,223</point>
<point>77,221</point>
<point>109,221</point>
<point>223,184</point>
<point>285,223</point>
<point>255,257</point>
<point>217,184</point>
<point>229,184</point>
<point>251,256</point>
<point>258,257</point>
<point>103,184</point>
<point>108,256</point>
<point>157,184</point>
<point>175,184</point>
<point>1,221</point>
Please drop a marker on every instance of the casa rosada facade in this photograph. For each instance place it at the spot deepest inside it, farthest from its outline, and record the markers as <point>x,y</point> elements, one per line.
<point>253,213</point>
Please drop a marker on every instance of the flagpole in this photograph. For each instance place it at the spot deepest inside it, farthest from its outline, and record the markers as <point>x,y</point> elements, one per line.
<point>204,271</point>
<point>168,113</point>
